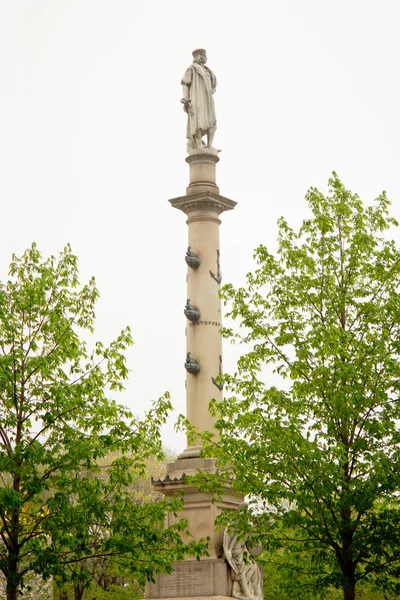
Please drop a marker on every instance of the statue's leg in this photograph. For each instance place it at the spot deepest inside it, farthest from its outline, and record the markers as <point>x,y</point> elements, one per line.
<point>210,136</point>
<point>237,592</point>
<point>256,583</point>
<point>244,585</point>
<point>198,141</point>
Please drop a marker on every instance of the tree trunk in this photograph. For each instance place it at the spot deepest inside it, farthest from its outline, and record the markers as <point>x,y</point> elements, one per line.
<point>12,576</point>
<point>349,594</point>
<point>12,592</point>
<point>349,587</point>
<point>347,564</point>
<point>78,591</point>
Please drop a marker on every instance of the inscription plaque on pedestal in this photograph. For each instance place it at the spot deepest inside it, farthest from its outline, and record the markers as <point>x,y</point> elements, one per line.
<point>193,578</point>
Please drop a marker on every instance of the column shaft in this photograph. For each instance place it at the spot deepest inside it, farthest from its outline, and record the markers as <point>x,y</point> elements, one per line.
<point>203,204</point>
<point>203,337</point>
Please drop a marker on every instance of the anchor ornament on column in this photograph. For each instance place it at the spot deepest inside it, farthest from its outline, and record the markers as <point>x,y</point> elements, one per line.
<point>218,276</point>
<point>215,382</point>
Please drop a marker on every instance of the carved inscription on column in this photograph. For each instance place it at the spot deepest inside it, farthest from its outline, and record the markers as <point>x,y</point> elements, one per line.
<point>205,323</point>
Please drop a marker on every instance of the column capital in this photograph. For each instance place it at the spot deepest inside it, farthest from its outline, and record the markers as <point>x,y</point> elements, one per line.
<point>200,205</point>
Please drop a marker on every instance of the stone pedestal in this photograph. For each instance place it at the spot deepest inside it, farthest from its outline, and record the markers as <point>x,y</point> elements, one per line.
<point>208,578</point>
<point>194,579</point>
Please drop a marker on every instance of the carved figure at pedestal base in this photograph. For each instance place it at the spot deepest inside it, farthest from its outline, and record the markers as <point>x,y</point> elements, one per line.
<point>246,576</point>
<point>199,84</point>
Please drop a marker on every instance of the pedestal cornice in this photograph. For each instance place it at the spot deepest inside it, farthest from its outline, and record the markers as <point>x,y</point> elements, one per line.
<point>203,201</point>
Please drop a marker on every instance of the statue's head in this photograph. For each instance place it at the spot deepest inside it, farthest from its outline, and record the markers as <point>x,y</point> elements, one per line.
<point>199,56</point>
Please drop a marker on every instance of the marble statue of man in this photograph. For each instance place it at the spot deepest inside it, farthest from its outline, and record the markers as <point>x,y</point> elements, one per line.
<point>199,84</point>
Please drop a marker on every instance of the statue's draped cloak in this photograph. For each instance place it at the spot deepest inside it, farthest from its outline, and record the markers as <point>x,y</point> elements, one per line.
<point>201,82</point>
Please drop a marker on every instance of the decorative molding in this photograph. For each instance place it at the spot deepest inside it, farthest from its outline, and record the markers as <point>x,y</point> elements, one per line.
<point>203,155</point>
<point>202,200</point>
<point>168,479</point>
<point>203,218</point>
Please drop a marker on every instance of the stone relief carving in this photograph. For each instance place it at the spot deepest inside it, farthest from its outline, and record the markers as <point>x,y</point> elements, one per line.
<point>191,365</point>
<point>191,312</point>
<point>199,84</point>
<point>245,573</point>
<point>192,259</point>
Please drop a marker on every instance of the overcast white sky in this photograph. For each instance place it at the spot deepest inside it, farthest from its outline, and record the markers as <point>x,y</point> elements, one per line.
<point>92,141</point>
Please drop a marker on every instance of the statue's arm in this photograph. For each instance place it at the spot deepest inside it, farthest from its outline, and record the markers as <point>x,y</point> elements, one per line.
<point>228,545</point>
<point>213,81</point>
<point>186,83</point>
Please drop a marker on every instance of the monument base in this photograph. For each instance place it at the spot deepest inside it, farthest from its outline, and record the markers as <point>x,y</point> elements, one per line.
<point>207,578</point>
<point>210,577</point>
<point>200,508</point>
<point>196,598</point>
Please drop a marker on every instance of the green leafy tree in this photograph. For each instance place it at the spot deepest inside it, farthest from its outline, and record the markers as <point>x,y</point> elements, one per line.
<point>111,578</point>
<point>292,575</point>
<point>57,423</point>
<point>320,456</point>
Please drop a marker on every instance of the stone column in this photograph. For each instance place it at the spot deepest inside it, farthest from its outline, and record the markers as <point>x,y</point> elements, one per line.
<point>209,578</point>
<point>203,204</point>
